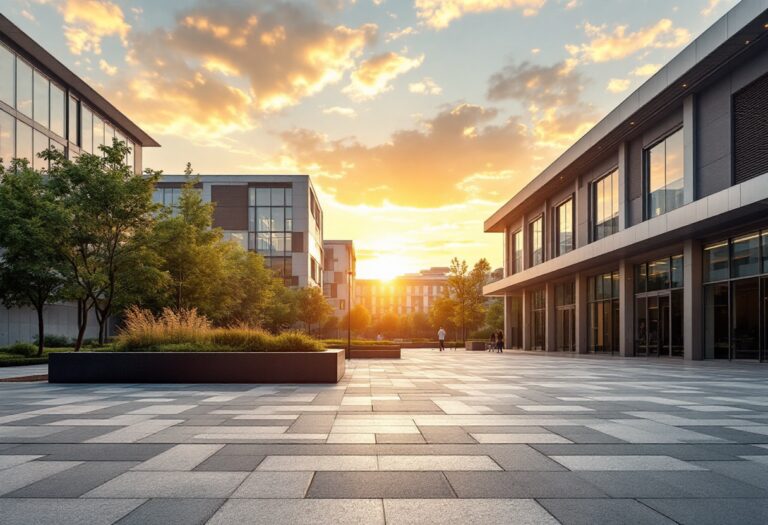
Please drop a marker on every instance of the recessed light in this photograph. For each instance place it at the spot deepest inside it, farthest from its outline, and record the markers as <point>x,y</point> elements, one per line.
<point>685,85</point>
<point>632,123</point>
<point>765,26</point>
<point>746,43</point>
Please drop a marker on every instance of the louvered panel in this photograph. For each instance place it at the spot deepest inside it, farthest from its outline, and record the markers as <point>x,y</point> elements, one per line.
<point>751,131</point>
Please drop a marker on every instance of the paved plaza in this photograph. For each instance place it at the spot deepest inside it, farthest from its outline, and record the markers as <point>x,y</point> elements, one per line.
<point>453,437</point>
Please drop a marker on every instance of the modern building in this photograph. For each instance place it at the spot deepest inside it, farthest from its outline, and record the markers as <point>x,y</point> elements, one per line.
<point>278,216</point>
<point>649,236</point>
<point>43,104</point>
<point>403,295</point>
<point>339,275</point>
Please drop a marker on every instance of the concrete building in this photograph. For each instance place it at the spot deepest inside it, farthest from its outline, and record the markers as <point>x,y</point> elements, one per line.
<point>42,104</point>
<point>339,275</point>
<point>649,236</point>
<point>278,216</point>
<point>403,295</point>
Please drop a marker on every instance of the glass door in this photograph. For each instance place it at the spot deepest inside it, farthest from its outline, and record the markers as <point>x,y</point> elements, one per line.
<point>745,319</point>
<point>566,329</point>
<point>665,319</point>
<point>653,326</point>
<point>764,315</point>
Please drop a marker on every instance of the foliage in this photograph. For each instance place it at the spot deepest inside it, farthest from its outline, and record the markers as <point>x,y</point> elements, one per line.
<point>21,349</point>
<point>360,321</point>
<point>331,327</point>
<point>465,287</point>
<point>312,307</point>
<point>282,311</point>
<point>187,330</point>
<point>441,313</point>
<point>55,341</point>
<point>494,316</point>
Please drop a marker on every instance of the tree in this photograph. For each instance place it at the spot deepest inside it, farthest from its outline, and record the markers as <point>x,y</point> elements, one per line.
<point>361,319</point>
<point>388,325</point>
<point>465,287</point>
<point>330,328</point>
<point>108,207</point>
<point>420,325</point>
<point>312,307</point>
<point>441,313</point>
<point>32,272</point>
<point>494,316</point>
<point>251,287</point>
<point>282,311</point>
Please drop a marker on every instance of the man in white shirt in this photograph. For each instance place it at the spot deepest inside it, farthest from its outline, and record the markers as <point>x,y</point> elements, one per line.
<point>441,338</point>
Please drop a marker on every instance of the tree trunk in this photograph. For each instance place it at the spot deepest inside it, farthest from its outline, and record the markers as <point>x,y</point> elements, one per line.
<point>102,317</point>
<point>84,308</point>
<point>40,331</point>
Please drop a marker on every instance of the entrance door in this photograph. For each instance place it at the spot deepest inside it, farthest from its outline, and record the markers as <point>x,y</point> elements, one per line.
<point>566,329</point>
<point>653,326</point>
<point>764,315</point>
<point>745,319</point>
<point>665,319</point>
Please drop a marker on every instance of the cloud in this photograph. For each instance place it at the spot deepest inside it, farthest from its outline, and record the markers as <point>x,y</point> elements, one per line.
<point>341,111</point>
<point>617,85</point>
<point>439,14</point>
<point>373,76</point>
<point>605,46</point>
<point>646,70</point>
<point>426,167</point>
<point>710,7</point>
<point>107,68</point>
<point>87,22</point>
<point>426,86</point>
<point>394,35</point>
<point>223,65</point>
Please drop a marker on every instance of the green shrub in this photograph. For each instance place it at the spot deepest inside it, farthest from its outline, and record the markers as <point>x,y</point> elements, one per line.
<point>55,341</point>
<point>21,349</point>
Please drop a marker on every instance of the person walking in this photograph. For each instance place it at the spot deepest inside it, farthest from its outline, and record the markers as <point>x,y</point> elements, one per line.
<point>492,342</point>
<point>441,338</point>
<point>500,341</point>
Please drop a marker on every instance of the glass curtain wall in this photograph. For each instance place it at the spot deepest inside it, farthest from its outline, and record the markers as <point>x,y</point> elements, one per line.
<point>664,175</point>
<point>564,228</point>
<point>603,313</point>
<point>270,225</point>
<point>605,206</point>
<point>565,316</point>
<point>659,307</point>
<point>538,319</point>
<point>536,236</point>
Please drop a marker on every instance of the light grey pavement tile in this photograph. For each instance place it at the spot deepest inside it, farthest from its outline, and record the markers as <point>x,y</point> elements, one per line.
<point>380,485</point>
<point>300,512</point>
<point>466,511</point>
<point>544,437</point>
<point>712,511</point>
<point>17,433</point>
<point>445,434</point>
<point>180,457</point>
<point>134,433</point>
<point>173,512</point>
<point>222,463</point>
<point>435,462</point>
<point>399,438</point>
<point>163,409</point>
<point>22,475</point>
<point>93,452</point>
<point>274,485</point>
<point>521,485</point>
<point>318,463</point>
<point>631,463</point>
<point>603,512</point>
<point>74,482</point>
<point>684,452</point>
<point>312,424</point>
<point>170,485</point>
<point>64,511</point>
<point>8,461</point>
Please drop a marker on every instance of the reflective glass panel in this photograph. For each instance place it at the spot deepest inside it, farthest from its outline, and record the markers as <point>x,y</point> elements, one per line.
<point>7,76</point>
<point>86,129</point>
<point>24,141</point>
<point>716,262</point>
<point>24,88</point>
<point>42,94</point>
<point>57,110</point>
<point>41,143</point>
<point>72,114</point>
<point>7,137</point>
<point>745,255</point>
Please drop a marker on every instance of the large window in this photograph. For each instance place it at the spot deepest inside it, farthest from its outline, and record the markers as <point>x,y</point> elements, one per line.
<point>659,307</point>
<point>24,88</point>
<point>42,94</point>
<point>168,197</point>
<point>564,239</point>
<point>24,148</point>
<point>517,252</point>
<point>86,129</point>
<point>603,313</point>
<point>536,236</point>
<point>74,124</point>
<point>605,206</point>
<point>7,137</point>
<point>565,315</point>
<point>270,225</point>
<point>538,319</point>
<point>664,175</point>
<point>57,110</point>
<point>7,76</point>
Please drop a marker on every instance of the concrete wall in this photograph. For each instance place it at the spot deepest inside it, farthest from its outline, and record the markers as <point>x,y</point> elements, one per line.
<point>20,324</point>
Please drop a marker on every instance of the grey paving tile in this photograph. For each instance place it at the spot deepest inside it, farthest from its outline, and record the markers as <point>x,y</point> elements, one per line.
<point>399,438</point>
<point>627,463</point>
<point>312,424</point>
<point>712,511</point>
<point>522,458</point>
<point>300,512</point>
<point>180,457</point>
<point>74,482</point>
<point>746,471</point>
<point>476,512</point>
<point>64,511</point>
<point>445,434</point>
<point>222,463</point>
<point>521,485</point>
<point>94,452</point>
<point>683,452</point>
<point>380,485</point>
<point>603,512</point>
<point>14,478</point>
<point>173,512</point>
<point>170,485</point>
<point>671,485</point>
<point>274,485</point>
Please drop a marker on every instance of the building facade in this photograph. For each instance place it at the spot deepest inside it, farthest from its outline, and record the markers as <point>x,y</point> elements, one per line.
<point>649,236</point>
<point>43,104</point>
<point>278,216</point>
<point>339,275</point>
<point>403,295</point>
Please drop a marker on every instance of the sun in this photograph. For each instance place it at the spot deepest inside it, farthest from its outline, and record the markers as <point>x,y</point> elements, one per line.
<point>384,267</point>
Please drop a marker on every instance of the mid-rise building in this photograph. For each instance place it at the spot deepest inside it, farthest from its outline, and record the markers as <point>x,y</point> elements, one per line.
<point>43,104</point>
<point>339,275</point>
<point>278,216</point>
<point>649,236</point>
<point>403,295</point>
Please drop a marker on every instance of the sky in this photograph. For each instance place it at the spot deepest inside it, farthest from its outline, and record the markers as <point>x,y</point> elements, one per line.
<point>416,119</point>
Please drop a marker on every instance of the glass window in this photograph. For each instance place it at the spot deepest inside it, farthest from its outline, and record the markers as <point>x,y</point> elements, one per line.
<point>41,143</point>
<point>658,275</point>
<point>7,76</point>
<point>664,175</point>
<point>278,219</point>
<point>109,134</point>
<point>57,110</point>
<point>24,88</point>
<point>7,137</point>
<point>263,220</point>
<point>641,272</point>
<point>73,124</point>
<point>745,255</point>
<point>289,196</point>
<point>288,219</point>
<point>263,197</point>
<point>716,262</point>
<point>716,321</point>
<point>131,154</point>
<point>42,94</point>
<point>24,141</point>
<point>677,271</point>
<point>517,252</point>
<point>564,227</point>
<point>86,129</point>
<point>536,229</point>
<point>278,196</point>
<point>605,206</point>
<point>765,252</point>
<point>98,134</point>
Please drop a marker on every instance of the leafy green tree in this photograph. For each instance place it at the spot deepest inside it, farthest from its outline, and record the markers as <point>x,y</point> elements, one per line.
<point>32,272</point>
<point>494,316</point>
<point>465,287</point>
<point>252,287</point>
<point>361,319</point>
<point>282,311</point>
<point>331,327</point>
<point>441,313</point>
<point>312,307</point>
<point>420,325</point>
<point>388,325</point>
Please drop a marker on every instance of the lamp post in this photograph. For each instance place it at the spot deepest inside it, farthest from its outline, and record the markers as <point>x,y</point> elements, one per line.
<point>350,275</point>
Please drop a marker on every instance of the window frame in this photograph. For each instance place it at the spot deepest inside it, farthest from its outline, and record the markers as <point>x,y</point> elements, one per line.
<point>571,198</point>
<point>646,165</point>
<point>592,196</point>
<point>531,239</point>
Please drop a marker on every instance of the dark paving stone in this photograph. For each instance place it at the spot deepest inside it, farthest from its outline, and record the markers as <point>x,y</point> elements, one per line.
<point>521,485</point>
<point>227,463</point>
<point>712,511</point>
<point>602,511</point>
<point>681,452</point>
<point>747,471</point>
<point>173,512</point>
<point>399,438</point>
<point>583,435</point>
<point>523,458</point>
<point>405,406</point>
<point>72,435</point>
<point>254,423</point>
<point>446,434</point>
<point>312,424</point>
<point>379,485</point>
<point>94,451</point>
<point>74,482</point>
<point>730,434</point>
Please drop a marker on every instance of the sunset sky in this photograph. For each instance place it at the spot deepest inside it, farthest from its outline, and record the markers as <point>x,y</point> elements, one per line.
<point>415,118</point>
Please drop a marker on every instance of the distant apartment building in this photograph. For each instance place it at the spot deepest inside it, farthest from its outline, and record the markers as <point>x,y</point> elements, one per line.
<point>277,216</point>
<point>403,295</point>
<point>44,104</point>
<point>339,275</point>
<point>649,236</point>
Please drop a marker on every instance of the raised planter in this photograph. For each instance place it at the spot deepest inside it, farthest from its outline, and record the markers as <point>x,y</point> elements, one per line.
<point>476,346</point>
<point>196,367</point>
<point>375,352</point>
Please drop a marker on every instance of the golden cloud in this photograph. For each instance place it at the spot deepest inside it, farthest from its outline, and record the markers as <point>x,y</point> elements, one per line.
<point>646,70</point>
<point>374,75</point>
<point>605,46</point>
<point>439,14</point>
<point>426,86</point>
<point>87,22</point>
<point>617,85</point>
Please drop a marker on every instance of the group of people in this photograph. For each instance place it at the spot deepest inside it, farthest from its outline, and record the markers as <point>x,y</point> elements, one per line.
<point>496,342</point>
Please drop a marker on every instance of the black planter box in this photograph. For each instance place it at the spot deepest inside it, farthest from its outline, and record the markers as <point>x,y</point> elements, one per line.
<point>196,367</point>
<point>375,352</point>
